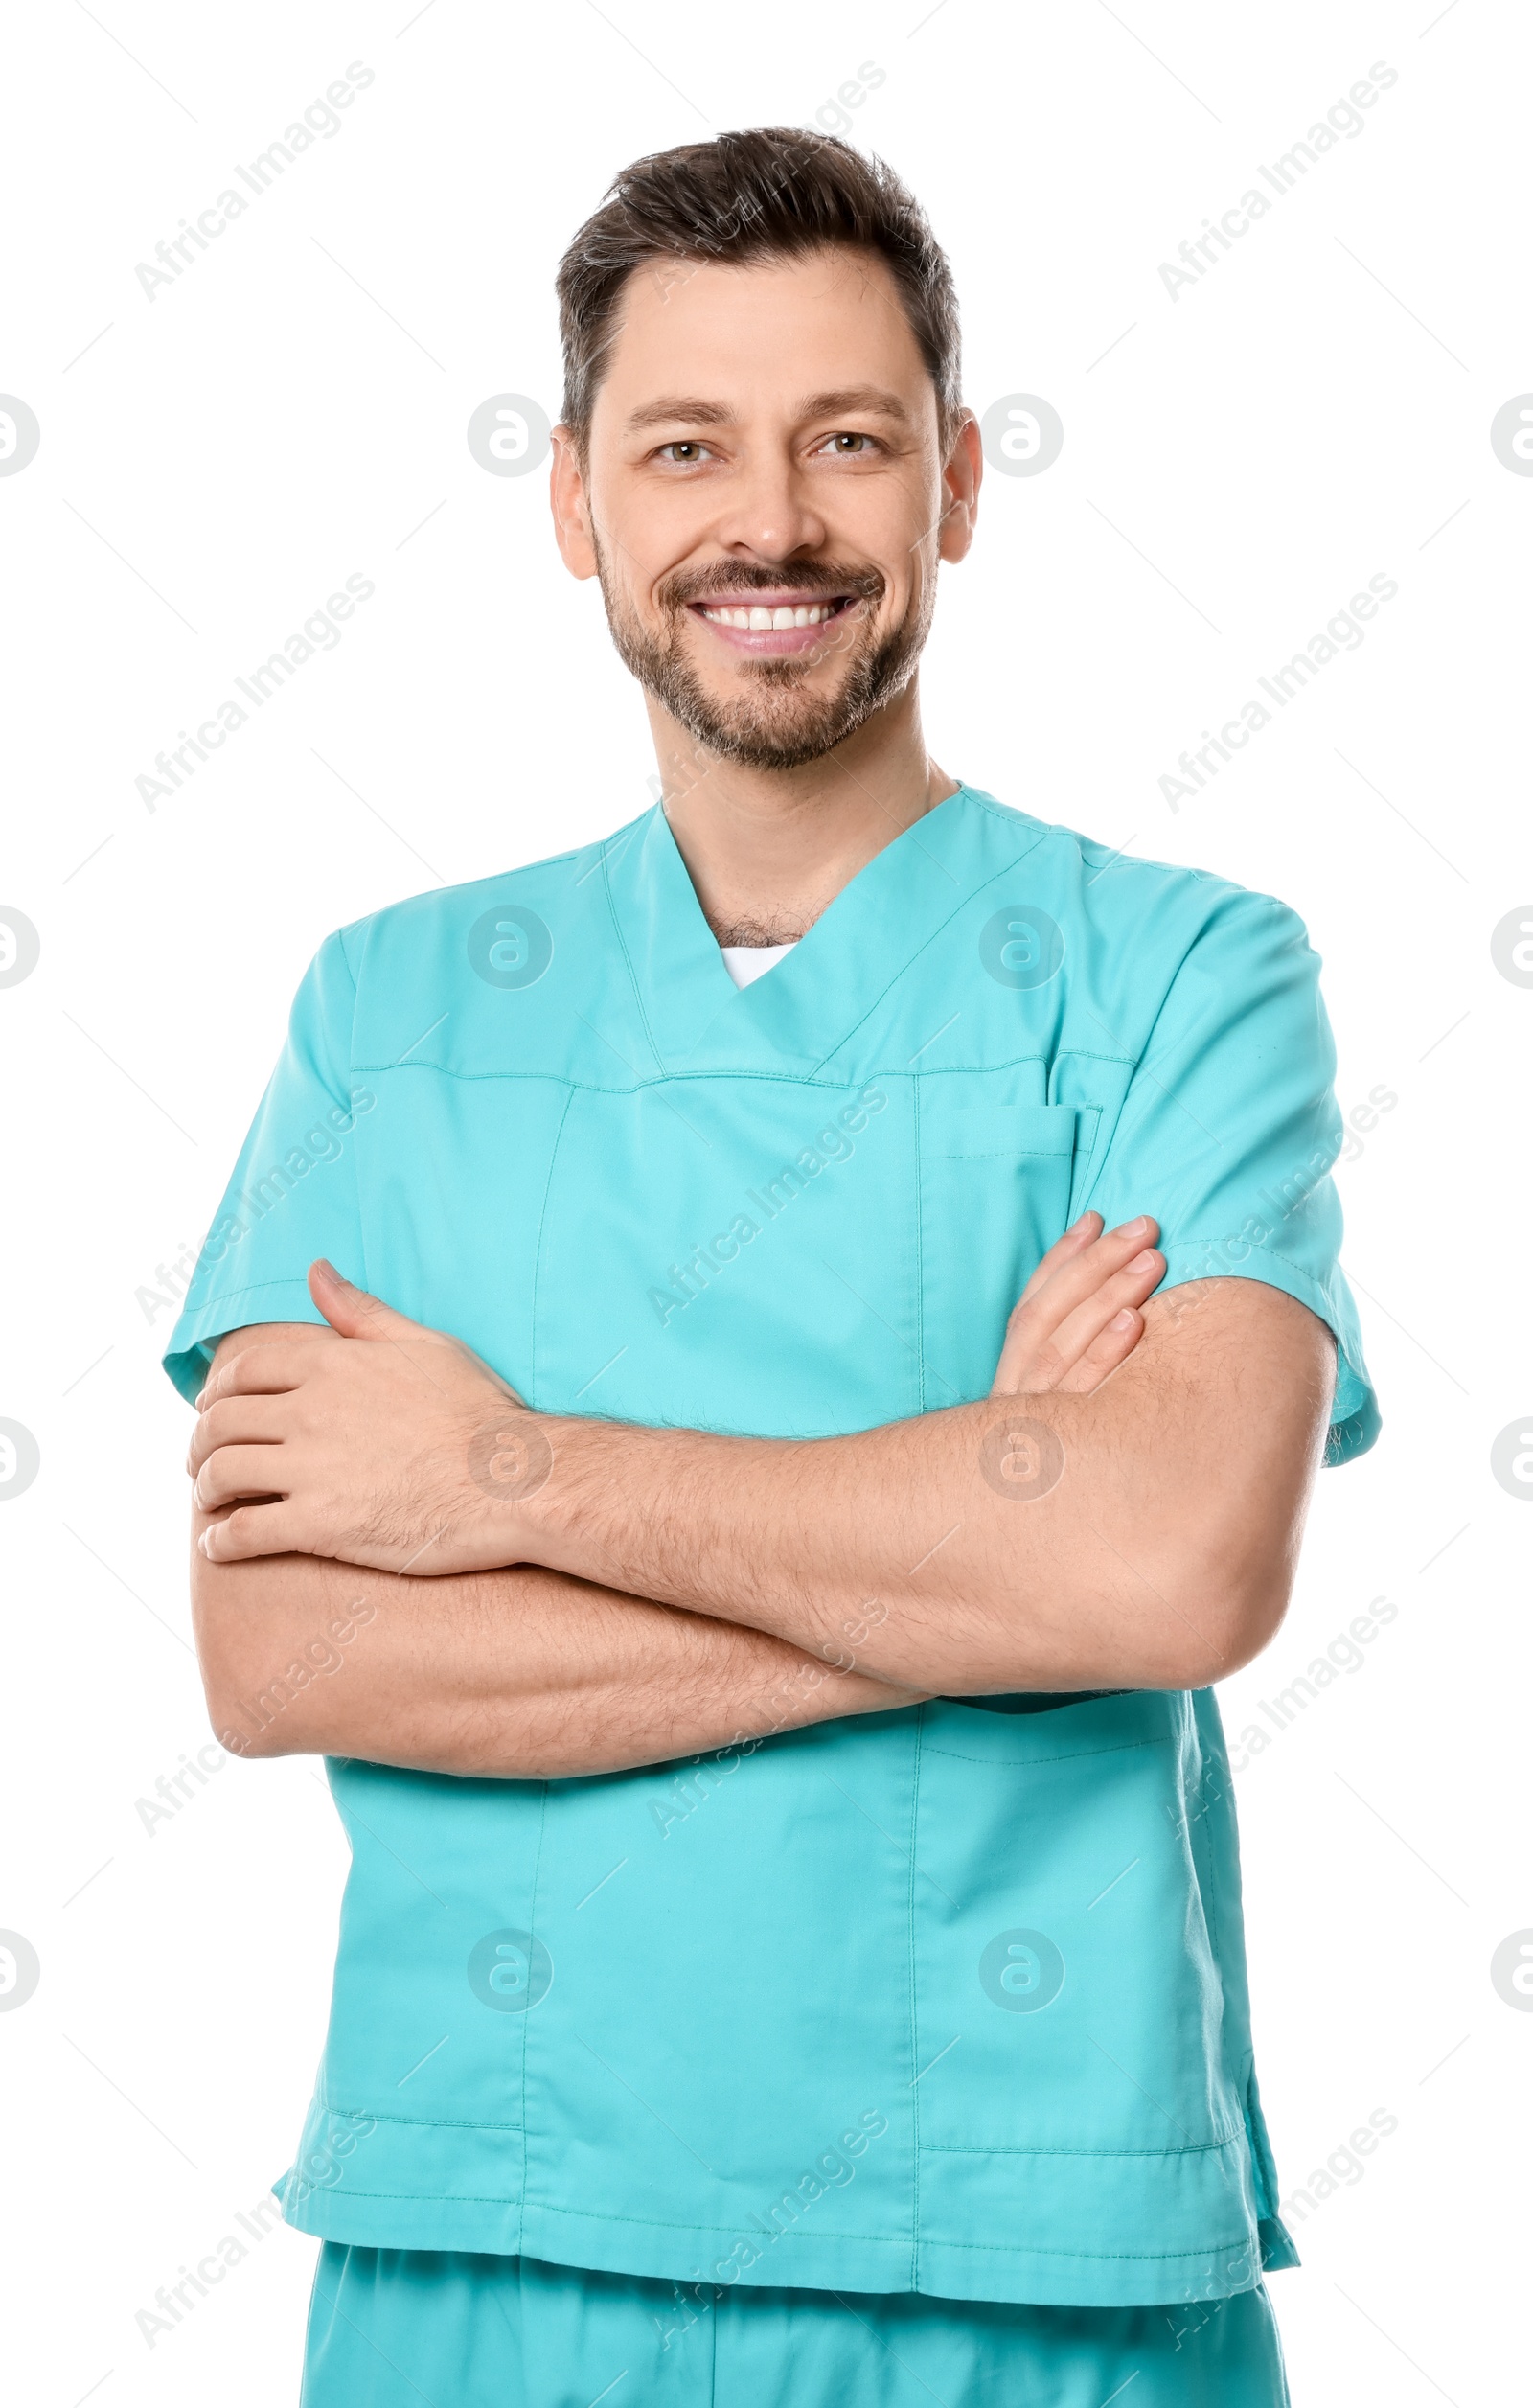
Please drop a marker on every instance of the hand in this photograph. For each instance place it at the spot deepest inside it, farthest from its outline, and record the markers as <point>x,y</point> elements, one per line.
<point>388,1445</point>
<point>1078,1316</point>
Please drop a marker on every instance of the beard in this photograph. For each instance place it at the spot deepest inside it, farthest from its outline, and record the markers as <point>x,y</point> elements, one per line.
<point>775,722</point>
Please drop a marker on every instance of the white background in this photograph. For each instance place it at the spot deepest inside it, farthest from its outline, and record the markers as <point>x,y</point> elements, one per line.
<point>1237,462</point>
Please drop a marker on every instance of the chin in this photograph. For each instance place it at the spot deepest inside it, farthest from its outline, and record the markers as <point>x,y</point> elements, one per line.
<point>769,741</point>
<point>774,723</point>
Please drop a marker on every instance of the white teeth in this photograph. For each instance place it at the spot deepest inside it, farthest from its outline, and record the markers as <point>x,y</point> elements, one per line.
<point>764,615</point>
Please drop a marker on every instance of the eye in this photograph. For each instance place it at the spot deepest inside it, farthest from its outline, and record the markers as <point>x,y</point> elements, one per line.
<point>849,446</point>
<point>683,444</point>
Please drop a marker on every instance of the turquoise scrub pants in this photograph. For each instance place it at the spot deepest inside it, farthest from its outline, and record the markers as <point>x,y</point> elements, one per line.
<point>427,2329</point>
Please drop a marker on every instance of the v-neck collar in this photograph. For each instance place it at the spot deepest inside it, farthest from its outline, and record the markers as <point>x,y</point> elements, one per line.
<point>695,1017</point>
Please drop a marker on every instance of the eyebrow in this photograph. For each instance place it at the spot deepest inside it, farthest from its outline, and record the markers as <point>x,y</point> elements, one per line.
<point>860,398</point>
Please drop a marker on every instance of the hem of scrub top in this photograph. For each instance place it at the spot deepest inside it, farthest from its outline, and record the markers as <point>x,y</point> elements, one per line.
<point>1033,1701</point>
<point>1355,1435</point>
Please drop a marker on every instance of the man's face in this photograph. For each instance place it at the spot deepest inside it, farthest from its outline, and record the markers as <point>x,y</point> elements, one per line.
<point>765,499</point>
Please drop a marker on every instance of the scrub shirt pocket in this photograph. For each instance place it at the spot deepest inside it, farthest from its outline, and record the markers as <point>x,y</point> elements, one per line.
<point>995,1183</point>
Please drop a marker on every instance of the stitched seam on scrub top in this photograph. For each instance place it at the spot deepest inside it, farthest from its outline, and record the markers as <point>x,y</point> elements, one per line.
<point>427,2198</point>
<point>997,2148</point>
<point>423,2123</point>
<point>771,1078</point>
<point>920,1304</point>
<point>532,1917</point>
<point>1208,1878</point>
<point>228,1295</point>
<point>915,2027</point>
<point>652,2223</point>
<point>679,1078</point>
<point>962,904</point>
<point>1008,814</point>
<point>538,1249</point>
<point>1013,1061</point>
<point>1090,1053</point>
<point>1258,1245</point>
<point>1083,1162</point>
<point>628,959</point>
<point>1316,1295</point>
<point>1126,1747</point>
<point>350,1160</point>
<point>931,2148</point>
<point>595,2215</point>
<point>1105,2256</point>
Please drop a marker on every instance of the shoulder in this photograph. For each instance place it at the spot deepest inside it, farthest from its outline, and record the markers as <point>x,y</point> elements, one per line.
<point>1146,947</point>
<point>1109,898</point>
<point>412,936</point>
<point>380,986</point>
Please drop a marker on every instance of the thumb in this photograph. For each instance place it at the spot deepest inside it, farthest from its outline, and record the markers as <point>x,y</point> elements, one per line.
<point>352,1311</point>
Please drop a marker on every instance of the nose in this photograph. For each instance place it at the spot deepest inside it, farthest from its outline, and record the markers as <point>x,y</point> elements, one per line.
<point>768,513</point>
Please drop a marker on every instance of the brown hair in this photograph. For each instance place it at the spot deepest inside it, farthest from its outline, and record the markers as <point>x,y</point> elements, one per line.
<point>772,192</point>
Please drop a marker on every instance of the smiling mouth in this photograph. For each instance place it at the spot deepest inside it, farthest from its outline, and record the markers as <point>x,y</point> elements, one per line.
<point>761,616</point>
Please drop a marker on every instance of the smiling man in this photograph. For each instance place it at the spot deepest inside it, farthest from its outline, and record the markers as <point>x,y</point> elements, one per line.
<point>787,1352</point>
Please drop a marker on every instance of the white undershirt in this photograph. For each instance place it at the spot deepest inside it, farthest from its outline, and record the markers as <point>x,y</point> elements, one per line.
<point>745,963</point>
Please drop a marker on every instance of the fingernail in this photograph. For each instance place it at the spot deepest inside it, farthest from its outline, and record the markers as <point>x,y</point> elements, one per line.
<point>1134,1229</point>
<point>1146,1261</point>
<point>1122,1321</point>
<point>196,1401</point>
<point>203,1545</point>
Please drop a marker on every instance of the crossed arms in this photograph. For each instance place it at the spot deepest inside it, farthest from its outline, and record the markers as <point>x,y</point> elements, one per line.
<point>527,1595</point>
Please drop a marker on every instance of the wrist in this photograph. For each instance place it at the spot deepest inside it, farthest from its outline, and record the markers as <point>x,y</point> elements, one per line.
<point>509,1463</point>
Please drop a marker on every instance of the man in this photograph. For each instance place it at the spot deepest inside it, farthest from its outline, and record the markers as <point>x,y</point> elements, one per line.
<point>793,1949</point>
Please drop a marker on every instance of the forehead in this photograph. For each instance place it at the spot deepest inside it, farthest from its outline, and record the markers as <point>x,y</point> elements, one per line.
<point>741,334</point>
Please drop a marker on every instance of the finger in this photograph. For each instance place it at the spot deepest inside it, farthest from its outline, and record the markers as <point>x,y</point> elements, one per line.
<point>272,1334</point>
<point>1105,1355</point>
<point>266,1369</point>
<point>1039,1349</point>
<point>252,1530</point>
<point>233,1472</point>
<point>1085,1268</point>
<point>1128,1287</point>
<point>236,1421</point>
<point>353,1311</point>
<point>1077,1237</point>
<point>1041,1314</point>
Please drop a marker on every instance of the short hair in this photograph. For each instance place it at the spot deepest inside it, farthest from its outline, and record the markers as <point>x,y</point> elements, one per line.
<point>773,192</point>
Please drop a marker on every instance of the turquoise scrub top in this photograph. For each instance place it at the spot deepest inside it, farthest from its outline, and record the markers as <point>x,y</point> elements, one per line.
<point>951,2000</point>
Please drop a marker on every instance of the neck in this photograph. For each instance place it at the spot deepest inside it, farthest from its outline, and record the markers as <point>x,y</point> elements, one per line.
<point>767,850</point>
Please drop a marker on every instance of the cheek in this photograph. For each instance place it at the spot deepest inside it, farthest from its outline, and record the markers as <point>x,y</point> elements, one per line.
<point>651,529</point>
<point>904,520</point>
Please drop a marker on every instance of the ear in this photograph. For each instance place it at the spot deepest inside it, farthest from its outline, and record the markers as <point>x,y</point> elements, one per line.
<point>569,500</point>
<point>961,476</point>
<point>352,1312</point>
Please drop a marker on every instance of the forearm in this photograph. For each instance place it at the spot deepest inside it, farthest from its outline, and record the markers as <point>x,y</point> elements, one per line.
<point>521,1674</point>
<point>791,1538</point>
<point>1140,1534</point>
<point>1153,1549</point>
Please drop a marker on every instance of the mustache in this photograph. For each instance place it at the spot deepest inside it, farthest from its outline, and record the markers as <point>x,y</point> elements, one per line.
<point>819,584</point>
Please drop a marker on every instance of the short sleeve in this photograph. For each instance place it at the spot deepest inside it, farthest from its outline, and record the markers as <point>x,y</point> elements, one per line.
<point>1229,1129</point>
<point>294,1191</point>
